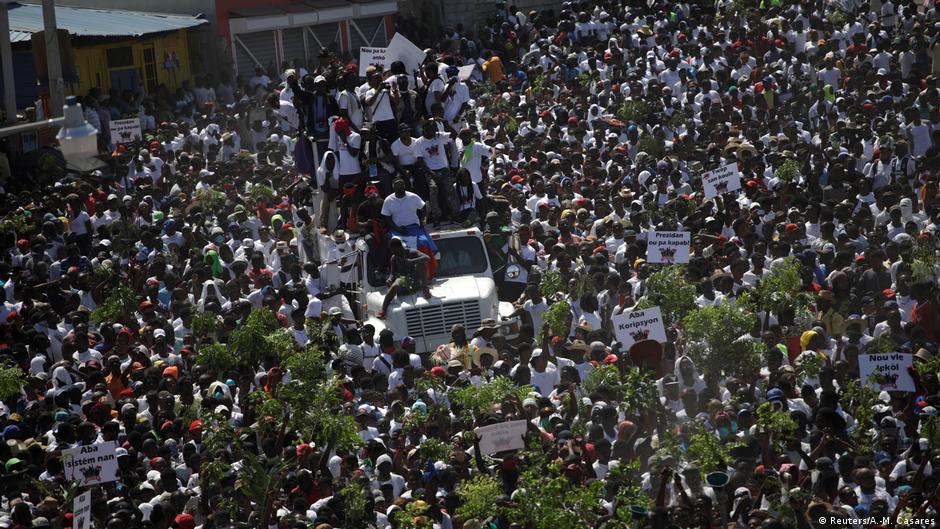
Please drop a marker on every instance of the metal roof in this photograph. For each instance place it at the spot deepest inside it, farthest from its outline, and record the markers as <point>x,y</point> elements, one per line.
<point>26,19</point>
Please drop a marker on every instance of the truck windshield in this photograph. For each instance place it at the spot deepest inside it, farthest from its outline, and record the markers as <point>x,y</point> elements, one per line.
<point>460,256</point>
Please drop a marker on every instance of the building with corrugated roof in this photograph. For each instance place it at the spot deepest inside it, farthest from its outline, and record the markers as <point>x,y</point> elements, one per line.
<point>111,48</point>
<point>244,34</point>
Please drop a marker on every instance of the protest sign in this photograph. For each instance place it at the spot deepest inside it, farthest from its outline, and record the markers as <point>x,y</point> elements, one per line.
<point>81,511</point>
<point>402,49</point>
<point>501,436</point>
<point>125,130</point>
<point>668,247</point>
<point>91,464</point>
<point>464,72</point>
<point>890,371</point>
<point>646,324</point>
<point>722,180</point>
<point>371,57</point>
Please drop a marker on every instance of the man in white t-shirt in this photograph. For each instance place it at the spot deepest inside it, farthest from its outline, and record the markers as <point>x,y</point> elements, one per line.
<point>402,207</point>
<point>260,79</point>
<point>348,144</point>
<point>403,149</point>
<point>406,161</point>
<point>456,97</point>
<point>545,375</point>
<point>432,148</point>
<point>380,101</point>
<point>436,88</point>
<point>471,155</point>
<point>349,105</point>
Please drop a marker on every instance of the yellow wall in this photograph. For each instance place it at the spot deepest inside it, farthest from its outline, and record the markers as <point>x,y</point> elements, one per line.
<point>92,62</point>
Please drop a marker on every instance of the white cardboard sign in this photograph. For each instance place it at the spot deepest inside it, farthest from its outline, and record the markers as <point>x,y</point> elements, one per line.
<point>632,327</point>
<point>464,72</point>
<point>91,464</point>
<point>372,57</point>
<point>125,130</point>
<point>668,247</point>
<point>81,511</point>
<point>890,370</point>
<point>501,436</point>
<point>402,49</point>
<point>722,180</point>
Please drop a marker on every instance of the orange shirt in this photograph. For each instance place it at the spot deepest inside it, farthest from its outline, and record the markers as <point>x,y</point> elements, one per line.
<point>494,68</point>
<point>115,385</point>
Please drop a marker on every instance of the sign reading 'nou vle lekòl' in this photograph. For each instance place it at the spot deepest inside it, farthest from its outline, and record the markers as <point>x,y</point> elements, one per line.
<point>886,371</point>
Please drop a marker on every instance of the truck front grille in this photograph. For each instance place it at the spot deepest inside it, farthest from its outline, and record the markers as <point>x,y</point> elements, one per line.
<point>433,320</point>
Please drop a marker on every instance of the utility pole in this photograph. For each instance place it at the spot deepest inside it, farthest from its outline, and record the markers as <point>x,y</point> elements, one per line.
<point>6,62</point>
<point>53,60</point>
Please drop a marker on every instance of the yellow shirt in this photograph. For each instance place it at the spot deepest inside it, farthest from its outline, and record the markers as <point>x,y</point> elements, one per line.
<point>833,322</point>
<point>494,68</point>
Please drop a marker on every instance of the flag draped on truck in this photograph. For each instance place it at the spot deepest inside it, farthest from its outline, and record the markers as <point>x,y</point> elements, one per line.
<point>417,237</point>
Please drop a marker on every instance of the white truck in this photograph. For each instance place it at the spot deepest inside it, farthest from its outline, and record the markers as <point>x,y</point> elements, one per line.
<point>462,291</point>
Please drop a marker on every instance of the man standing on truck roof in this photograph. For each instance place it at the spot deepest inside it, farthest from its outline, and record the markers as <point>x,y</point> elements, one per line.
<point>402,209</point>
<point>404,213</point>
<point>409,272</point>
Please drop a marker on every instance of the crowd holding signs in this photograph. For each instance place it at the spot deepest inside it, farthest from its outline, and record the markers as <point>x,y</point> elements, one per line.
<point>713,227</point>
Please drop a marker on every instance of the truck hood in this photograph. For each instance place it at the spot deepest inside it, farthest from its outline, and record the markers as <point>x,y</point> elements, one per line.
<point>477,296</point>
<point>447,288</point>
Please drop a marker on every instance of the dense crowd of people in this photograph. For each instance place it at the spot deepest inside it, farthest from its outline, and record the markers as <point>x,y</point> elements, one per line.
<point>135,296</point>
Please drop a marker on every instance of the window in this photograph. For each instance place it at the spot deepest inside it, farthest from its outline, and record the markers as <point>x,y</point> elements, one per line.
<point>460,256</point>
<point>120,57</point>
<point>150,69</point>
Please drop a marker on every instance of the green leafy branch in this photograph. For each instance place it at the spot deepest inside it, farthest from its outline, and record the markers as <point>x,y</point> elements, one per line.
<point>12,379</point>
<point>119,306</point>
<point>477,400</point>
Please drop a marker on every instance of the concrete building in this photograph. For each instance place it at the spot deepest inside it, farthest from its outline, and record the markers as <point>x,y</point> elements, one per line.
<point>471,14</point>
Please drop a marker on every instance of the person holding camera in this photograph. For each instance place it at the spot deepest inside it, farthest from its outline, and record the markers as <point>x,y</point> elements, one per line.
<point>380,102</point>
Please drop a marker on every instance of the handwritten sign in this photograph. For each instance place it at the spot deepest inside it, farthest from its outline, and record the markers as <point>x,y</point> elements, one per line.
<point>501,436</point>
<point>125,130</point>
<point>722,180</point>
<point>646,324</point>
<point>668,247</point>
<point>886,371</point>
<point>402,49</point>
<point>91,464</point>
<point>81,511</point>
<point>372,57</point>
